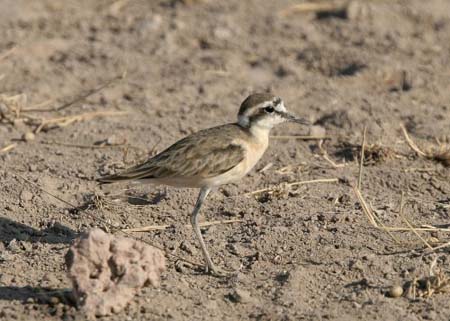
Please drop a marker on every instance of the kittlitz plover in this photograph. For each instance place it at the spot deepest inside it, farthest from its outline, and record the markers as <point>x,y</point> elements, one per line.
<point>214,156</point>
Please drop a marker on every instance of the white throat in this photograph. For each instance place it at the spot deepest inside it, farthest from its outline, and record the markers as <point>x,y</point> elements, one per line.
<point>260,130</point>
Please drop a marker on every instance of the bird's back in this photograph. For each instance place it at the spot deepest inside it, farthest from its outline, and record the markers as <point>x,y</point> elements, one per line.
<point>203,155</point>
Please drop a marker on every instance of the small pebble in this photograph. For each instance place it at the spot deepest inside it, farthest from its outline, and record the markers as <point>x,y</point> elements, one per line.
<point>28,136</point>
<point>395,292</point>
<point>13,246</point>
<point>26,196</point>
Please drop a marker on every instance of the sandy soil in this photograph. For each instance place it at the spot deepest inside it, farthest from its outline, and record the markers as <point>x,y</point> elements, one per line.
<point>308,253</point>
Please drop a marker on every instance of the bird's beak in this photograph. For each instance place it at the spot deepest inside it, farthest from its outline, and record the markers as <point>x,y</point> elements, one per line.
<point>295,119</point>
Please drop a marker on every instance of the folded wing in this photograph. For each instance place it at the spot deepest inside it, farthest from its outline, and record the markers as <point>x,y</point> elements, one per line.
<point>205,154</point>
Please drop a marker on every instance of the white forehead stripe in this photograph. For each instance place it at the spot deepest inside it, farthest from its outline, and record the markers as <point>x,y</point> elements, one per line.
<point>280,107</point>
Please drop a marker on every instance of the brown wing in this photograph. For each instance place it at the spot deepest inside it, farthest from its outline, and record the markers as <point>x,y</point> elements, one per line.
<point>207,153</point>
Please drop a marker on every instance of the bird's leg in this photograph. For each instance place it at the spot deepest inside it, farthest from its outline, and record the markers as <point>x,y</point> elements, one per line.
<point>194,221</point>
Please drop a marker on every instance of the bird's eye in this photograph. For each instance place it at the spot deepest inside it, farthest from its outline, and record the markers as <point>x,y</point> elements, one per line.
<point>269,109</point>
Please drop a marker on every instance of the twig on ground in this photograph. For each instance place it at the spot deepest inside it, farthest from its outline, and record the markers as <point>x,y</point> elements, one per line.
<point>314,181</point>
<point>327,157</point>
<point>164,227</point>
<point>402,204</point>
<point>361,159</point>
<point>6,53</point>
<point>300,137</point>
<point>83,146</point>
<point>65,121</point>
<point>307,7</point>
<point>80,97</point>
<point>8,148</point>
<point>440,153</point>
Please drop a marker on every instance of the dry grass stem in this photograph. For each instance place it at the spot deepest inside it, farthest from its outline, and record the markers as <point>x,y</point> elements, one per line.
<point>373,219</point>
<point>265,168</point>
<point>46,124</point>
<point>39,107</point>
<point>164,227</point>
<point>314,7</point>
<point>327,157</point>
<point>361,159</point>
<point>13,104</point>
<point>300,137</point>
<point>437,281</point>
<point>7,53</point>
<point>8,148</point>
<point>377,223</point>
<point>83,96</point>
<point>288,185</point>
<point>439,153</point>
<point>84,146</point>
<point>402,205</point>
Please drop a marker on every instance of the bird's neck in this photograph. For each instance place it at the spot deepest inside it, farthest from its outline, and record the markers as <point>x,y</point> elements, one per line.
<point>260,132</point>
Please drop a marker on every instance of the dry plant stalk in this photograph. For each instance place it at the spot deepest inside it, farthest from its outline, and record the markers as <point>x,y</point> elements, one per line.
<point>11,107</point>
<point>7,53</point>
<point>361,158</point>
<point>378,224</point>
<point>58,122</point>
<point>439,153</point>
<point>300,137</point>
<point>315,7</point>
<point>327,157</point>
<point>436,282</point>
<point>284,186</point>
<point>7,148</point>
<point>164,227</point>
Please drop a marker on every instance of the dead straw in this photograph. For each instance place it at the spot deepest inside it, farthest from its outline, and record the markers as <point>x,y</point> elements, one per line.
<point>308,7</point>
<point>300,137</point>
<point>402,204</point>
<point>440,153</point>
<point>327,157</point>
<point>373,219</point>
<point>287,185</point>
<point>8,148</point>
<point>80,97</point>
<point>65,121</point>
<point>8,52</point>
<point>164,227</point>
<point>361,159</point>
<point>82,145</point>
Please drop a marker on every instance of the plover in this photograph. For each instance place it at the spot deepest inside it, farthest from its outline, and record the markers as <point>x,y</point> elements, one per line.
<point>215,156</point>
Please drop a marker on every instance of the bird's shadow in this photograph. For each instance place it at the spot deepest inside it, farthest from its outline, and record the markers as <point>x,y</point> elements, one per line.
<point>37,294</point>
<point>53,234</point>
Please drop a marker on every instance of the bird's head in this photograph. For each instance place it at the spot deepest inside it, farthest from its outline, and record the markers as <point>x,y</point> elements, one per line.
<point>265,110</point>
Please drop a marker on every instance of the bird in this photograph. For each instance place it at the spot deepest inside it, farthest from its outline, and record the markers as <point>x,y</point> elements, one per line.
<point>213,157</point>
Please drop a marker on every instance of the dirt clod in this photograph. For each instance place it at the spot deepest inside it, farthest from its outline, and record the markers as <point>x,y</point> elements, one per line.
<point>107,271</point>
<point>28,136</point>
<point>395,292</point>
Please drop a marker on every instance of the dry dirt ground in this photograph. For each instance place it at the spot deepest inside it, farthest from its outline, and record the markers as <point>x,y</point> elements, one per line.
<point>307,252</point>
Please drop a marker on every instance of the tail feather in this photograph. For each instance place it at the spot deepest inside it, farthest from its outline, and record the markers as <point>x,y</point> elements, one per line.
<point>127,175</point>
